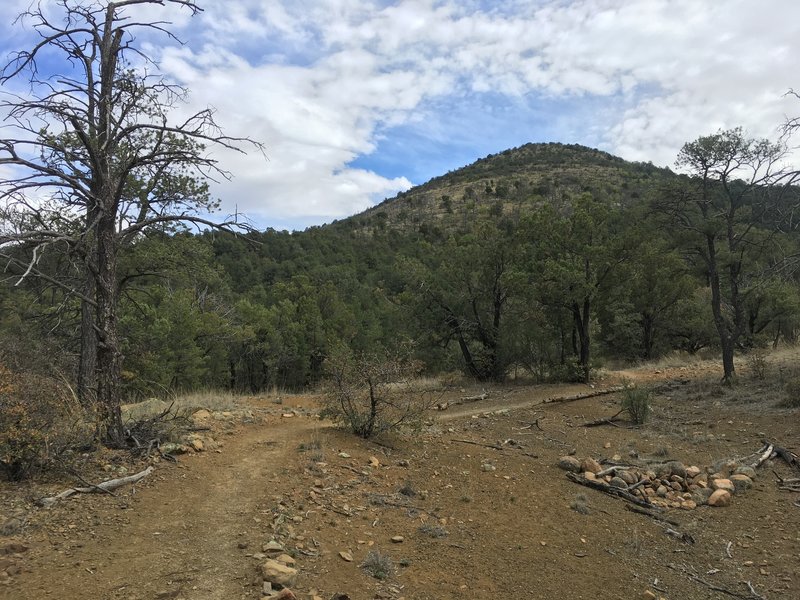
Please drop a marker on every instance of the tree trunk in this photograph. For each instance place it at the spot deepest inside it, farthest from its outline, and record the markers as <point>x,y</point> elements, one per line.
<point>582,322</point>
<point>109,357</point>
<point>729,372</point>
<point>648,335</point>
<point>87,359</point>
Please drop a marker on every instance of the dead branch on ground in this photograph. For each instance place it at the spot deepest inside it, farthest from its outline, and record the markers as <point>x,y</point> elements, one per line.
<point>106,486</point>
<point>463,400</point>
<point>605,420</point>
<point>492,446</point>
<point>611,490</point>
<point>753,595</point>
<point>581,396</point>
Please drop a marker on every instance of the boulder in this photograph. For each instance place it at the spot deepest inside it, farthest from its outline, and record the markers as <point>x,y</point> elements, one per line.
<point>741,482</point>
<point>569,463</point>
<point>744,470</point>
<point>618,482</point>
<point>591,465</point>
<point>719,498</point>
<point>278,573</point>
<point>723,484</point>
<point>692,472</point>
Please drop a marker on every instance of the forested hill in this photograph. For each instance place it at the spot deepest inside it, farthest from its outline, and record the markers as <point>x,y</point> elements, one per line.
<point>512,183</point>
<point>541,262</point>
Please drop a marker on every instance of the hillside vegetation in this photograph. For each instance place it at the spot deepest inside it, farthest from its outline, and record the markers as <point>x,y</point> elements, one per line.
<point>540,262</point>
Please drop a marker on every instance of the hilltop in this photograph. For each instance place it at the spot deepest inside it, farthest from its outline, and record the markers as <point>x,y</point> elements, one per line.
<point>513,182</point>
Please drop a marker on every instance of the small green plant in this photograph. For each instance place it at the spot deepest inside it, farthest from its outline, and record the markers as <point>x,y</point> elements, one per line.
<point>377,565</point>
<point>636,402</point>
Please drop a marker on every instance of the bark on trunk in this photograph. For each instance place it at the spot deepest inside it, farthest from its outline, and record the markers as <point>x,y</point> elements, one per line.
<point>109,358</point>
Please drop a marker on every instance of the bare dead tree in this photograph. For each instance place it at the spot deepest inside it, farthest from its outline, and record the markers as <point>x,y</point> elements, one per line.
<point>92,160</point>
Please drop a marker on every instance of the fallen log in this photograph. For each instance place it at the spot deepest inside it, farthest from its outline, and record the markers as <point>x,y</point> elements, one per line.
<point>583,395</point>
<point>462,400</point>
<point>605,420</point>
<point>612,491</point>
<point>772,450</point>
<point>105,487</point>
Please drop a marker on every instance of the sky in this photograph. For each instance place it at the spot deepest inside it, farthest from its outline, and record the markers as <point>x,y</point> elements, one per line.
<point>356,100</point>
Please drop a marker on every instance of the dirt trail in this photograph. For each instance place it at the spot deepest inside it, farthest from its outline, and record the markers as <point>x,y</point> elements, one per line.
<point>177,536</point>
<point>190,529</point>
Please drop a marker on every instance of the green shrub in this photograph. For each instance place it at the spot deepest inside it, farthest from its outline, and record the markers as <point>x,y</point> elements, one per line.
<point>636,402</point>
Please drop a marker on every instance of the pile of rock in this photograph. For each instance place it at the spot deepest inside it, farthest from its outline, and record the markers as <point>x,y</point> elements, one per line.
<point>278,572</point>
<point>671,484</point>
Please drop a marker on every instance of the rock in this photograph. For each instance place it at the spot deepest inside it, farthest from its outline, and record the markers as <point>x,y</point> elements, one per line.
<point>719,498</point>
<point>569,463</point>
<point>197,445</point>
<point>201,416</point>
<point>662,491</point>
<point>284,594</point>
<point>344,455</point>
<point>278,573</point>
<point>397,539</point>
<point>692,472</point>
<point>287,415</point>
<point>743,470</point>
<point>723,484</point>
<point>285,559</point>
<point>648,595</point>
<point>618,482</point>
<point>346,556</point>
<point>591,465</point>
<point>374,462</point>
<point>14,548</point>
<point>741,482</point>
<point>688,505</point>
<point>273,547</point>
<point>487,467</point>
<point>676,468</point>
<point>629,477</point>
<point>173,448</point>
<point>403,463</point>
<point>589,475</point>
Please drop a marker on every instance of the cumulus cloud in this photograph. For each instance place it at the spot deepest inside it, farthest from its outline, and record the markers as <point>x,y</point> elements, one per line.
<point>321,82</point>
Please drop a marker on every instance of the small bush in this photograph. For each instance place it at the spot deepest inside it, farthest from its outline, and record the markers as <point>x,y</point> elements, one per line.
<point>636,402</point>
<point>375,393</point>
<point>378,565</point>
<point>792,393</point>
<point>757,363</point>
<point>434,531</point>
<point>41,424</point>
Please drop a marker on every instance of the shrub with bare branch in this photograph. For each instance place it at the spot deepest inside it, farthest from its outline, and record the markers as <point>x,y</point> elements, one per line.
<point>373,393</point>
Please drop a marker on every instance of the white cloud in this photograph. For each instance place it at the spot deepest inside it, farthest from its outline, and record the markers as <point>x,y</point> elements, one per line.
<point>319,81</point>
